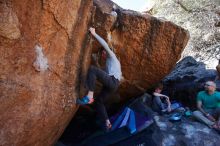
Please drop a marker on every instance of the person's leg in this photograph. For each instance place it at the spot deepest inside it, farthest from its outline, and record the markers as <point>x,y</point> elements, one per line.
<point>110,84</point>
<point>200,117</point>
<point>158,105</point>
<point>140,106</point>
<point>216,114</point>
<point>100,107</point>
<point>94,74</point>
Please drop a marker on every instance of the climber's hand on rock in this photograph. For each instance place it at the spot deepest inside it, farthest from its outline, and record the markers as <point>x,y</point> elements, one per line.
<point>92,30</point>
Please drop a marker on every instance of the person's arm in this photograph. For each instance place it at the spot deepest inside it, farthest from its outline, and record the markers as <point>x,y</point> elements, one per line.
<point>168,105</point>
<point>102,42</point>
<point>218,73</point>
<point>159,102</point>
<point>199,106</point>
<point>218,95</point>
<point>199,103</point>
<point>167,100</point>
<point>160,95</point>
<point>95,59</point>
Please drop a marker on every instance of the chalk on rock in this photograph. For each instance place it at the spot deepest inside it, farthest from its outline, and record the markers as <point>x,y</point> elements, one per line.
<point>113,13</point>
<point>41,63</point>
<point>109,37</point>
<point>114,7</point>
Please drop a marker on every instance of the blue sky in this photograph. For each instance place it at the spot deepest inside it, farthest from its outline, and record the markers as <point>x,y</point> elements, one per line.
<point>137,5</point>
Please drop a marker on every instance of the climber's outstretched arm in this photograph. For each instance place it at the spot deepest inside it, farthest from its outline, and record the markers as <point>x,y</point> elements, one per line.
<point>102,42</point>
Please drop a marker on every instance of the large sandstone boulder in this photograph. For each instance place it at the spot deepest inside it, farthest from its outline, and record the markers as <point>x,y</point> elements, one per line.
<point>45,52</point>
<point>42,45</point>
<point>148,48</point>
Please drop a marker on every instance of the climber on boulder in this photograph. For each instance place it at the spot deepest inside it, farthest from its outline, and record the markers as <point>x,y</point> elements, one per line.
<point>109,78</point>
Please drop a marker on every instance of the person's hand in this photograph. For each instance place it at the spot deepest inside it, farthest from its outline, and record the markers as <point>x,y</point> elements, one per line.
<point>91,100</point>
<point>215,126</point>
<point>108,124</point>
<point>92,30</point>
<point>94,57</point>
<point>168,101</point>
<point>218,123</point>
<point>95,60</point>
<point>166,97</point>
<point>169,109</point>
<point>210,117</point>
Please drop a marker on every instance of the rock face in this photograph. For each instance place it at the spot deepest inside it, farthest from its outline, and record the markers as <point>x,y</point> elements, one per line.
<point>9,25</point>
<point>187,78</point>
<point>187,132</point>
<point>36,105</point>
<point>190,70</point>
<point>147,47</point>
<point>202,19</point>
<point>45,53</point>
<point>162,132</point>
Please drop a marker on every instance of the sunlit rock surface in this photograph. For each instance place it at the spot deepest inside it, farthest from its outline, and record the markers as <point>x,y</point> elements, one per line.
<point>36,104</point>
<point>9,25</point>
<point>148,48</point>
<point>39,86</point>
